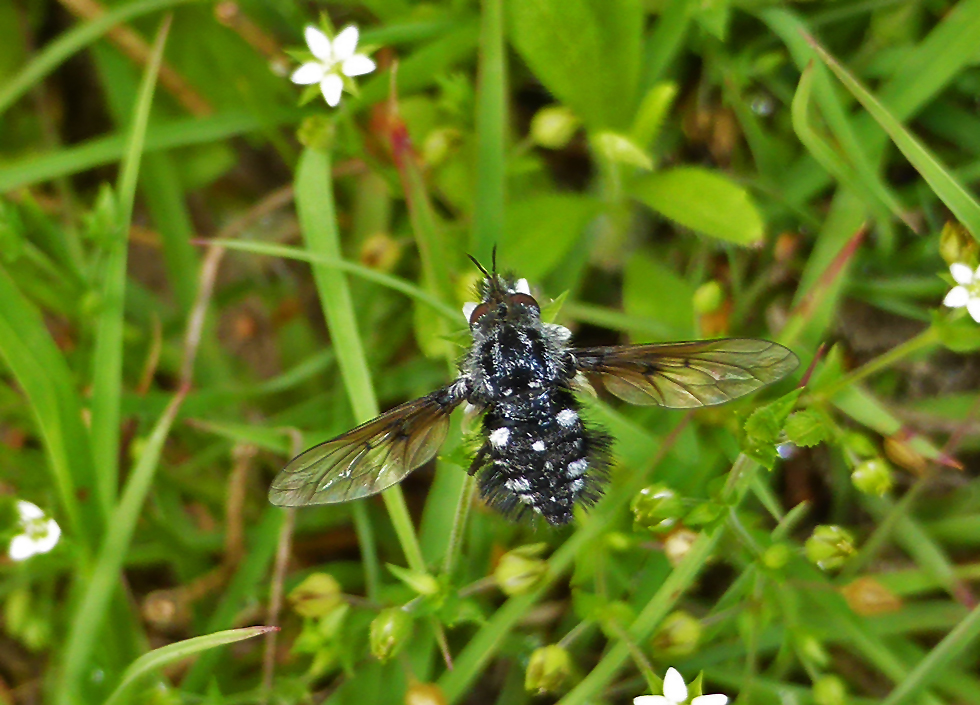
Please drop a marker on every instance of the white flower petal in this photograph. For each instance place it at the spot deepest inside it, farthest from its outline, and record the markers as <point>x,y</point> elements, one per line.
<point>958,296</point>
<point>28,511</point>
<point>674,687</point>
<point>345,43</point>
<point>332,86</point>
<point>358,65</point>
<point>318,42</point>
<point>308,74</point>
<point>961,273</point>
<point>21,548</point>
<point>49,540</point>
<point>652,700</point>
<point>710,700</point>
<point>973,306</point>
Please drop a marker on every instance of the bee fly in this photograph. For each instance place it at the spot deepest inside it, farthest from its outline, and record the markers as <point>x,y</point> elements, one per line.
<point>521,373</point>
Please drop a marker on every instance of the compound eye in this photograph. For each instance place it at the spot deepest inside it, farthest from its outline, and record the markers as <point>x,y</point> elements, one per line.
<point>478,313</point>
<point>524,300</point>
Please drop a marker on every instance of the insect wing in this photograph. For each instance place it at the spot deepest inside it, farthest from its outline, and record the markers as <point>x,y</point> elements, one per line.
<point>687,375</point>
<point>370,458</point>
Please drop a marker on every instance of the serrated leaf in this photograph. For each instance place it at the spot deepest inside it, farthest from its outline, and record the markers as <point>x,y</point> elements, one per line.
<point>806,428</point>
<point>765,425</point>
<point>705,201</point>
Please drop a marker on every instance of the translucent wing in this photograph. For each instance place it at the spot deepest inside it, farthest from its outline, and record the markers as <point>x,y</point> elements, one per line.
<point>371,458</point>
<point>686,375</point>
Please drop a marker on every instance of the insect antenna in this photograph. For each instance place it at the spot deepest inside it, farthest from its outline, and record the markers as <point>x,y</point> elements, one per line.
<point>479,266</point>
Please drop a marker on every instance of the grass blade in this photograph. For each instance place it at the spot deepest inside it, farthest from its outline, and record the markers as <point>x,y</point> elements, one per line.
<point>946,186</point>
<point>318,221</point>
<point>148,663</point>
<point>491,129</point>
<point>108,354</point>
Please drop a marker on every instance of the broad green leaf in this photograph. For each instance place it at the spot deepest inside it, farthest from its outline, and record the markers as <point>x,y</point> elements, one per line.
<point>541,230</point>
<point>586,52</point>
<point>655,292</point>
<point>705,201</point>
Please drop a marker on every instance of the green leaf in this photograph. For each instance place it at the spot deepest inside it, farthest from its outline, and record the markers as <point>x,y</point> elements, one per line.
<point>807,428</point>
<point>542,229</point>
<point>647,284</point>
<point>705,201</point>
<point>949,189</point>
<point>586,52</point>
<point>960,334</point>
<point>764,428</point>
<point>147,664</point>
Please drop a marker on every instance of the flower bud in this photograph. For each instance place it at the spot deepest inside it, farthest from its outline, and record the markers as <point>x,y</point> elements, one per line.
<point>381,252</point>
<point>678,544</point>
<point>812,651</point>
<point>829,546</point>
<point>548,670</point>
<point>957,245</point>
<point>776,556</point>
<point>317,596</point>
<point>520,570</point>
<point>657,508</point>
<point>708,297</point>
<point>438,144</point>
<point>872,477</point>
<point>389,632</point>
<point>678,635</point>
<point>424,694</point>
<point>829,690</point>
<point>553,127</point>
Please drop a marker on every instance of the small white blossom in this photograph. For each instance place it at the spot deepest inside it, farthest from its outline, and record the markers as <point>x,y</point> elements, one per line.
<point>967,291</point>
<point>675,693</point>
<point>335,59</point>
<point>40,534</point>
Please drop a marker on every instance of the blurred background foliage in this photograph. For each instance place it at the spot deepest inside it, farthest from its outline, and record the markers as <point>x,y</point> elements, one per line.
<point>662,170</point>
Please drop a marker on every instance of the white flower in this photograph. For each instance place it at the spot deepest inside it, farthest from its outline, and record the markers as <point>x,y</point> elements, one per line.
<point>335,59</point>
<point>967,293</point>
<point>40,535</point>
<point>675,693</point>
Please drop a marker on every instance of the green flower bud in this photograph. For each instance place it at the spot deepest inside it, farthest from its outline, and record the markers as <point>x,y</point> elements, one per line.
<point>829,546</point>
<point>520,570</point>
<point>317,596</point>
<point>438,144</point>
<point>873,477</point>
<point>776,556</point>
<point>678,635</point>
<point>812,651</point>
<point>860,445</point>
<point>657,508</point>
<point>389,632</point>
<point>553,127</point>
<point>829,690</point>
<point>548,670</point>
<point>708,297</point>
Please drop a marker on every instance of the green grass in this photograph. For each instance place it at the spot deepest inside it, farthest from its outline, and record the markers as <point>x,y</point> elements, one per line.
<point>186,300</point>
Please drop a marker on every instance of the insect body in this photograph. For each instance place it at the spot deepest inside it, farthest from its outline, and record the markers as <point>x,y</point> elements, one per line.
<point>538,454</point>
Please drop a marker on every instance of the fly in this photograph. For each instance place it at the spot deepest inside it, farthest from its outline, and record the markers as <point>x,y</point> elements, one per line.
<point>538,454</point>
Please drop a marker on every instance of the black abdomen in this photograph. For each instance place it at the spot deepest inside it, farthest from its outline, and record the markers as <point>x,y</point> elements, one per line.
<point>539,456</point>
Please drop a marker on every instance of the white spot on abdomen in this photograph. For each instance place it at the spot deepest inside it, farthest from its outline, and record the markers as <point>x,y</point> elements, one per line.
<point>499,437</point>
<point>518,485</point>
<point>538,446</point>
<point>567,417</point>
<point>577,468</point>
